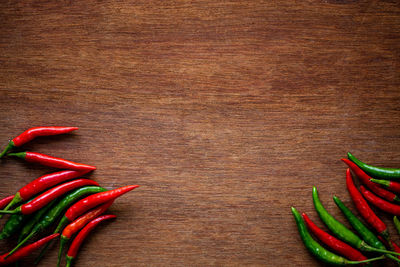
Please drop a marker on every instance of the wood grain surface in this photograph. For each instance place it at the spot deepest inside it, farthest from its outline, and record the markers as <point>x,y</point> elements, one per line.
<point>225,112</point>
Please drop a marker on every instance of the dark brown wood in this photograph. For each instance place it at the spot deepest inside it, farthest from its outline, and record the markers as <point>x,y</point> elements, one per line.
<point>225,112</point>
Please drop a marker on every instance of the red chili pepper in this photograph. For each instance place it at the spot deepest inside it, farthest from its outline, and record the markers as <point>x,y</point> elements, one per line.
<point>364,209</point>
<point>25,251</point>
<point>32,133</point>
<point>332,242</point>
<point>92,201</point>
<point>379,202</point>
<point>78,224</point>
<point>78,240</point>
<point>365,179</point>
<point>42,183</point>
<point>5,201</point>
<point>51,194</point>
<point>52,161</point>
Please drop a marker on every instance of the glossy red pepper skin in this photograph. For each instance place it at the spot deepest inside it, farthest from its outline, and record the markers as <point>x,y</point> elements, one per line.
<point>42,183</point>
<point>52,161</point>
<point>364,209</point>
<point>5,201</point>
<point>365,179</point>
<point>78,224</point>
<point>51,194</point>
<point>332,242</point>
<point>380,203</point>
<point>78,240</point>
<point>92,201</point>
<point>25,251</point>
<point>34,132</point>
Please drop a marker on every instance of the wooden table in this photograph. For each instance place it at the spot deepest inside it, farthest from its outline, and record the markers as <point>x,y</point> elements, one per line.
<point>225,112</point>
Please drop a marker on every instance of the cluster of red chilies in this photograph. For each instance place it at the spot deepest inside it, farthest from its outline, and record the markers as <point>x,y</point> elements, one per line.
<point>77,204</point>
<point>372,236</point>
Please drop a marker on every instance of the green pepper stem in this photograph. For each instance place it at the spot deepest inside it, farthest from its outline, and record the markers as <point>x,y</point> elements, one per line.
<point>392,257</point>
<point>9,211</point>
<point>16,200</point>
<point>366,247</point>
<point>381,182</point>
<point>69,261</point>
<point>9,146</point>
<point>63,242</point>
<point>19,155</point>
<point>366,261</point>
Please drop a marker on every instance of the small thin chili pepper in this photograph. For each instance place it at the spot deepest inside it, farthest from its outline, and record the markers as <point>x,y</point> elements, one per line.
<point>46,197</point>
<point>42,183</point>
<point>52,161</point>
<point>341,231</point>
<point>5,201</point>
<point>78,240</point>
<point>332,242</point>
<point>92,201</point>
<point>379,202</point>
<point>317,250</point>
<point>396,224</point>
<point>376,172</point>
<point>366,234</point>
<point>366,180</point>
<point>394,186</point>
<point>79,223</point>
<point>25,251</point>
<point>364,209</point>
<point>53,214</point>
<point>13,224</point>
<point>34,132</point>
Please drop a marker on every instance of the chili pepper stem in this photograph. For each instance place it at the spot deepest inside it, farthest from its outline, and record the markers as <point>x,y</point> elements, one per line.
<point>20,155</point>
<point>17,210</point>
<point>9,146</point>
<point>63,243</point>
<point>366,261</point>
<point>17,199</point>
<point>366,247</point>
<point>69,261</point>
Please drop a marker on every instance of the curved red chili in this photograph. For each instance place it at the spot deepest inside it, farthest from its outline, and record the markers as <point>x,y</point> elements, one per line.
<point>379,202</point>
<point>332,242</point>
<point>94,200</point>
<point>78,224</point>
<point>52,161</point>
<point>364,209</point>
<point>5,201</point>
<point>51,194</point>
<point>34,132</point>
<point>25,251</point>
<point>78,240</point>
<point>42,183</point>
<point>365,179</point>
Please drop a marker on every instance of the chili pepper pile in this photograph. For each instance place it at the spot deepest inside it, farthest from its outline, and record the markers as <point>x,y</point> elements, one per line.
<point>73,205</point>
<point>369,240</point>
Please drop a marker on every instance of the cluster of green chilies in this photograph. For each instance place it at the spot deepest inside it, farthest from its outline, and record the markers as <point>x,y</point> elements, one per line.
<point>372,237</point>
<point>39,205</point>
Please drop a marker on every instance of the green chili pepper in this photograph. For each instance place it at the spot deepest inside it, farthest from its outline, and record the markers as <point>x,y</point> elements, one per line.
<point>13,224</point>
<point>377,172</point>
<point>34,220</point>
<point>317,250</point>
<point>341,231</point>
<point>361,229</point>
<point>54,213</point>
